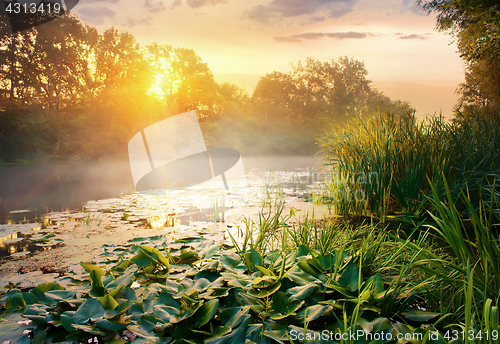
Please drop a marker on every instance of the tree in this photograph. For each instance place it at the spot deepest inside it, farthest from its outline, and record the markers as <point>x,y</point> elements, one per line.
<point>335,89</point>
<point>186,81</point>
<point>475,25</point>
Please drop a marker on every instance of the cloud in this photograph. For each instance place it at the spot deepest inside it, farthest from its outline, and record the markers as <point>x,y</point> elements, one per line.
<point>176,3</point>
<point>279,9</point>
<point>198,3</point>
<point>318,35</point>
<point>414,36</point>
<point>131,22</point>
<point>154,7</point>
<point>348,35</point>
<point>96,15</point>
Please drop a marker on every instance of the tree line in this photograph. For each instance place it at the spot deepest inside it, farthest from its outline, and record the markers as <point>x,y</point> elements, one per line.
<point>68,92</point>
<point>475,28</point>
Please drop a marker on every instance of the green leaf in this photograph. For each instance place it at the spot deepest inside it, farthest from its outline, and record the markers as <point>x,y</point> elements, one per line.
<point>67,320</point>
<point>308,268</point>
<point>91,267</point>
<point>233,316</point>
<point>300,277</point>
<point>301,292</point>
<point>313,312</point>
<point>418,315</point>
<point>60,295</point>
<point>231,263</point>
<point>167,313</point>
<point>282,307</point>
<point>265,292</point>
<point>15,302</point>
<point>265,271</point>
<point>108,302</point>
<point>352,277</point>
<point>252,259</point>
<point>40,337</point>
<point>90,309</point>
<point>126,278</point>
<point>205,313</point>
<point>157,254</point>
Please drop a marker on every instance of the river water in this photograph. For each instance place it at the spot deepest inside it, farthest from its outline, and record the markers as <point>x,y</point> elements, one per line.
<point>38,199</point>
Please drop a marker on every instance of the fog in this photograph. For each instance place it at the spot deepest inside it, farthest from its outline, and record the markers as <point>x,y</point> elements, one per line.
<point>31,190</point>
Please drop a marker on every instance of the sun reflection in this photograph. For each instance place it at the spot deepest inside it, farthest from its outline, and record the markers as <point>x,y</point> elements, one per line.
<point>160,222</point>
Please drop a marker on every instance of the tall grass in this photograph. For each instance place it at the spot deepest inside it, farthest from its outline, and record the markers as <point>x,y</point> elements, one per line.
<point>407,155</point>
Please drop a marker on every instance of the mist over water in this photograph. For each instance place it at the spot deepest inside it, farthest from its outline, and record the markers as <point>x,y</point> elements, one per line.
<point>31,190</point>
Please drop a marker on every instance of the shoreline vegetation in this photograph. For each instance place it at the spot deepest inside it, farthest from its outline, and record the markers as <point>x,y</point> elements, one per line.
<point>411,256</point>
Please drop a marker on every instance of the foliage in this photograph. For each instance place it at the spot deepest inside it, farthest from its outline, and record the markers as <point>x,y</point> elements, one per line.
<point>391,162</point>
<point>95,90</point>
<point>195,290</point>
<point>475,26</point>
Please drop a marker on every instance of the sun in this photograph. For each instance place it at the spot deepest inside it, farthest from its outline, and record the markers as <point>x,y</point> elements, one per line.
<point>155,89</point>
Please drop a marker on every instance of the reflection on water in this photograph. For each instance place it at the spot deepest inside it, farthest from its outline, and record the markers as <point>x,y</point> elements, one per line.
<point>37,201</point>
<point>29,191</point>
<point>15,240</point>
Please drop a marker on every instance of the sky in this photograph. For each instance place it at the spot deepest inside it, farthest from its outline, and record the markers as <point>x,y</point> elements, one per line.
<point>242,40</point>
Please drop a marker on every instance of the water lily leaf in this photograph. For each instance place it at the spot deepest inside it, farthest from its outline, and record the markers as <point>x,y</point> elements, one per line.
<point>265,292</point>
<point>143,259</point>
<point>67,320</point>
<point>209,251</point>
<point>315,262</point>
<point>157,254</point>
<point>233,316</point>
<point>300,277</point>
<point>60,295</point>
<point>245,299</point>
<point>327,262</point>
<point>282,306</point>
<point>381,324</point>
<point>313,312</point>
<point>125,279</point>
<point>308,268</point>
<point>110,326</point>
<point>265,271</point>
<point>303,251</point>
<point>91,267</point>
<point>122,265</point>
<point>402,328</point>
<point>237,280</point>
<point>108,302</point>
<point>166,313</point>
<point>213,293</point>
<point>90,309</point>
<point>15,302</point>
<point>205,313</point>
<point>418,315</point>
<point>40,337</point>
<point>41,289</point>
<point>235,337</point>
<point>252,259</point>
<point>187,256</point>
<point>139,331</point>
<point>231,263</point>
<point>89,329</point>
<point>301,292</point>
<point>351,277</point>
